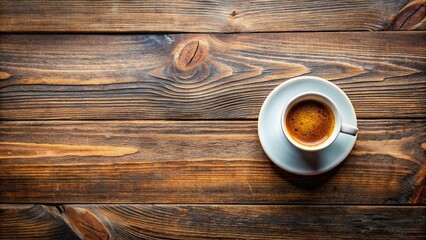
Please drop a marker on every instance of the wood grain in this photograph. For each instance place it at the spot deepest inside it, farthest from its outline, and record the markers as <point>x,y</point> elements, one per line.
<point>221,221</point>
<point>32,222</point>
<point>201,76</point>
<point>410,16</point>
<point>203,162</point>
<point>86,224</point>
<point>31,150</point>
<point>197,16</point>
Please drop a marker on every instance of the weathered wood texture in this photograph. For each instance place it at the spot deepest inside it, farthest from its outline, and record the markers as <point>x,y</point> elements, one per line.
<point>32,222</point>
<point>204,76</point>
<point>212,221</point>
<point>210,16</point>
<point>199,174</point>
<point>411,16</point>
<point>199,162</point>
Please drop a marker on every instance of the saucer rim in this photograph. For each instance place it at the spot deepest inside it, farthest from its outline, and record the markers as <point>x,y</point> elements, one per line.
<point>283,85</point>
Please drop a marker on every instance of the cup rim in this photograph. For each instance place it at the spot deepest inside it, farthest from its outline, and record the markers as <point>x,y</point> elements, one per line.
<point>325,100</point>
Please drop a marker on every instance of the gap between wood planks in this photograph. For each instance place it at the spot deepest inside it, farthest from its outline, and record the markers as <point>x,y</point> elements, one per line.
<point>180,32</point>
<point>182,120</point>
<point>402,205</point>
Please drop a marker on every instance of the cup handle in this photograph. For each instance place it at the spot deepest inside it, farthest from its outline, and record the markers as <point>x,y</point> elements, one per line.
<point>348,129</point>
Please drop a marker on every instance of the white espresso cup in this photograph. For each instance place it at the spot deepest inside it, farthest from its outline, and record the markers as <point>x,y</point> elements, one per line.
<point>339,126</point>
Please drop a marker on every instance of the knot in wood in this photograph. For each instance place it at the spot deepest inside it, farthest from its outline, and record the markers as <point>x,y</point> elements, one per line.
<point>86,224</point>
<point>191,55</point>
<point>409,16</point>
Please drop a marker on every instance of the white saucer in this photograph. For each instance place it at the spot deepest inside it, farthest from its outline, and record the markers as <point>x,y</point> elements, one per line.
<point>281,151</point>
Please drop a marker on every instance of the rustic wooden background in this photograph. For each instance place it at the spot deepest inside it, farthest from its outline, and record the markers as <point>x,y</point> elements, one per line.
<point>138,119</point>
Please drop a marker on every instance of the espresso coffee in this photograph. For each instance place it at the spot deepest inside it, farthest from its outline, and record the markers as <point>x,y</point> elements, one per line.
<point>310,122</point>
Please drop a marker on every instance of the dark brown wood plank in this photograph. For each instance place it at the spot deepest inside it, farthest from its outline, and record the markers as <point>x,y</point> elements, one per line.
<point>214,221</point>
<point>199,162</point>
<point>204,76</point>
<point>32,222</point>
<point>208,16</point>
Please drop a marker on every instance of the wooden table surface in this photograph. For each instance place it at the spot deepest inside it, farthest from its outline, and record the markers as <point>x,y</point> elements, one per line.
<point>138,119</point>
